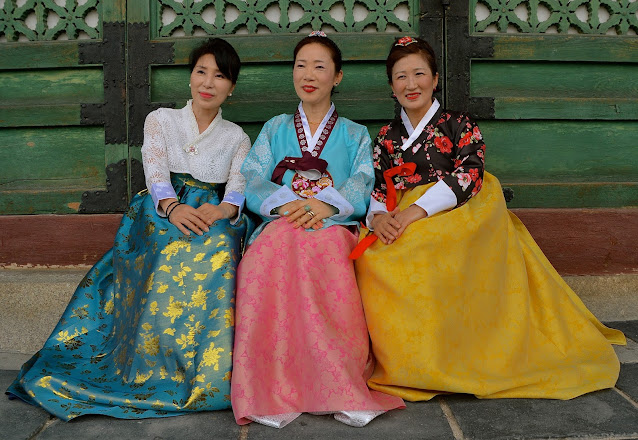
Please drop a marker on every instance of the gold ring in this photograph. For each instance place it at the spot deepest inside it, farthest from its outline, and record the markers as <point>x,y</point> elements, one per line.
<point>311,214</point>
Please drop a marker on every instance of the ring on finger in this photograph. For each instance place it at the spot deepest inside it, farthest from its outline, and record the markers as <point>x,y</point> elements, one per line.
<point>307,208</point>
<point>311,213</point>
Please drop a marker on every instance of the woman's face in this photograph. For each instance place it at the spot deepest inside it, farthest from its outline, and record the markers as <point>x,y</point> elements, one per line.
<point>413,83</point>
<point>209,87</point>
<point>314,74</point>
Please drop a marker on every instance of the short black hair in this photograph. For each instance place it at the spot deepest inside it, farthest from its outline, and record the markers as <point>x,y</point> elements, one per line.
<point>225,56</point>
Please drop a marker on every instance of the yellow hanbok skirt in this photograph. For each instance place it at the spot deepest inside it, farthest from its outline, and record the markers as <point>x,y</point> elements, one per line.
<point>466,302</point>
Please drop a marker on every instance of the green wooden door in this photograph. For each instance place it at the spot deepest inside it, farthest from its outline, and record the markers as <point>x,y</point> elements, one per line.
<point>62,121</point>
<point>74,95</point>
<point>559,111</point>
<point>555,86</point>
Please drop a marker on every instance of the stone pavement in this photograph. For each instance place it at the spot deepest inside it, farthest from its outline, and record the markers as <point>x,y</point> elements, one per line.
<point>608,414</point>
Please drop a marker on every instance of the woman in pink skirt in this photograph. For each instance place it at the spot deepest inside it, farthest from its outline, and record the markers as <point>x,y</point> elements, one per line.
<point>301,342</point>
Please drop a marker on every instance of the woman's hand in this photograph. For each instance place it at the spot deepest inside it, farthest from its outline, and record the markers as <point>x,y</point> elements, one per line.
<point>185,217</point>
<point>409,215</point>
<point>386,227</point>
<point>390,226</point>
<point>296,213</point>
<point>212,213</point>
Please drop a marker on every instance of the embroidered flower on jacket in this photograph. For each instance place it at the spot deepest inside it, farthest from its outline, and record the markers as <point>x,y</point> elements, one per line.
<point>384,130</point>
<point>389,146</point>
<point>464,180</point>
<point>443,144</point>
<point>466,139</point>
<point>414,178</point>
<point>476,133</point>
<point>474,174</point>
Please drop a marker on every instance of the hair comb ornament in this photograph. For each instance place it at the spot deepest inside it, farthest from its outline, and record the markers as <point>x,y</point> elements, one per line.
<point>317,34</point>
<point>404,41</point>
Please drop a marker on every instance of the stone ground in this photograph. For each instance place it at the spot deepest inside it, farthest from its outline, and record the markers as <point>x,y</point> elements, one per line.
<point>607,414</point>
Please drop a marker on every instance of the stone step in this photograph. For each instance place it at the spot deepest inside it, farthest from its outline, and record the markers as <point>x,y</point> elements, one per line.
<point>33,299</point>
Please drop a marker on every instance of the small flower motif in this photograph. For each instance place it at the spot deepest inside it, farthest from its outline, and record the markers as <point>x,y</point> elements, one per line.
<point>465,140</point>
<point>389,146</point>
<point>384,130</point>
<point>414,178</point>
<point>404,41</point>
<point>464,180</point>
<point>476,134</point>
<point>443,144</point>
<point>191,149</point>
<point>474,174</point>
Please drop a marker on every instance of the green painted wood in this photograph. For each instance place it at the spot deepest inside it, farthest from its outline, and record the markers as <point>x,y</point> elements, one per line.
<point>575,195</point>
<point>566,48</point>
<point>192,16</point>
<point>562,16</point>
<point>552,80</point>
<point>114,153</point>
<point>71,23</point>
<point>566,108</point>
<point>116,10</point>
<point>51,86</point>
<point>64,157</point>
<point>42,201</point>
<point>562,151</point>
<point>39,115</point>
<point>363,93</point>
<point>38,56</point>
<point>279,48</point>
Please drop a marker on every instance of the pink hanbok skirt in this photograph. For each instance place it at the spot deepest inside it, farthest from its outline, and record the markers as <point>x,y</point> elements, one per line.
<point>301,342</point>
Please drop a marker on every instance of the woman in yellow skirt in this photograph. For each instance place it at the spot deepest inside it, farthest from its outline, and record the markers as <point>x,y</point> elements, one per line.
<point>457,295</point>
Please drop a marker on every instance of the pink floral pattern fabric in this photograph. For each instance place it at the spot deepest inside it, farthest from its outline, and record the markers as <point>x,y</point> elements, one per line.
<point>301,342</point>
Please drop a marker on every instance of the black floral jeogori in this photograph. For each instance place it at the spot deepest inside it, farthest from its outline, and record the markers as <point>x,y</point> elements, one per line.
<point>450,148</point>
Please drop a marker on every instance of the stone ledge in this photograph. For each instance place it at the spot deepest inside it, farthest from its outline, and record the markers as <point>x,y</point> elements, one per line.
<point>34,299</point>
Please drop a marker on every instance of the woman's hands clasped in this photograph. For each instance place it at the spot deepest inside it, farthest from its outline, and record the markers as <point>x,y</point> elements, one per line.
<point>389,226</point>
<point>309,213</point>
<point>187,219</point>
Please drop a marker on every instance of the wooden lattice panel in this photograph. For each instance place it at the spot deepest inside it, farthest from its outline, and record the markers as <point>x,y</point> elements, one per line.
<point>46,20</point>
<point>615,17</point>
<point>224,17</point>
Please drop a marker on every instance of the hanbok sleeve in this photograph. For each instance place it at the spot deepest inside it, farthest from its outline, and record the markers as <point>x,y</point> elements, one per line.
<point>467,178</point>
<point>380,162</point>
<point>236,184</point>
<point>262,194</point>
<point>155,161</point>
<point>353,195</point>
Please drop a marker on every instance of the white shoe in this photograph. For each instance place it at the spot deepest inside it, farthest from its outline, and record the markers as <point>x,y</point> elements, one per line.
<point>358,419</point>
<point>275,421</point>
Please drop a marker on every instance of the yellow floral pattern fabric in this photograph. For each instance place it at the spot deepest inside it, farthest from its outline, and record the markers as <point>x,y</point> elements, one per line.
<point>466,302</point>
<point>149,330</point>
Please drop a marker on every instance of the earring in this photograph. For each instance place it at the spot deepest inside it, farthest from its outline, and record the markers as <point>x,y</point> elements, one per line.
<point>189,84</point>
<point>230,94</point>
<point>336,84</point>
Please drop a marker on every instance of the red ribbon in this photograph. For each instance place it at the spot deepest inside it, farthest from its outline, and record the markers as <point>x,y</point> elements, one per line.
<point>407,169</point>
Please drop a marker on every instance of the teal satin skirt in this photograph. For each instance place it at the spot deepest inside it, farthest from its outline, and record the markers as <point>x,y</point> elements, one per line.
<point>149,330</point>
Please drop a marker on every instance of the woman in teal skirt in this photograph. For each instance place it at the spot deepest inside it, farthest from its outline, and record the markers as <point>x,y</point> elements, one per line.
<point>149,330</point>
